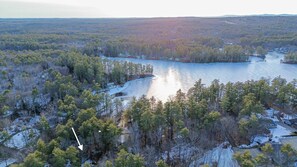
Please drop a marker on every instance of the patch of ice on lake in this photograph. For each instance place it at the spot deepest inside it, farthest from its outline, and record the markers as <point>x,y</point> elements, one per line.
<point>118,89</point>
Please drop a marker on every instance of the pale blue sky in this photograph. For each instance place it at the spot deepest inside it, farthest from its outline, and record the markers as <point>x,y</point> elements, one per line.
<point>142,8</point>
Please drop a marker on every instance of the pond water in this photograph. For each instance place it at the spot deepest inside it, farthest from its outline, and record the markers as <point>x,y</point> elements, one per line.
<point>171,76</point>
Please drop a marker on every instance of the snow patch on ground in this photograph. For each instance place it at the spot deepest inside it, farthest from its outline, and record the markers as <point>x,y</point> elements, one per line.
<point>7,162</point>
<point>21,139</point>
<point>259,139</point>
<point>271,114</point>
<point>279,132</point>
<point>220,156</point>
<point>275,133</point>
<point>118,89</point>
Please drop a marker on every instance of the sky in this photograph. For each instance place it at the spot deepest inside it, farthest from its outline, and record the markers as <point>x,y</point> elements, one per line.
<point>141,8</point>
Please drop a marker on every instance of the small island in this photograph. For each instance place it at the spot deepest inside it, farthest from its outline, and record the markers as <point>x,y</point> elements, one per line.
<point>290,58</point>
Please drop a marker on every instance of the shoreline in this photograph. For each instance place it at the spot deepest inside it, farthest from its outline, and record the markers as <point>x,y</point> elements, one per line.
<point>117,90</point>
<point>177,61</point>
<point>288,62</point>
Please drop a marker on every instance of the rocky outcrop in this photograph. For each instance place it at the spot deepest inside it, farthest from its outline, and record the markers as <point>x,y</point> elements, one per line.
<point>29,103</point>
<point>221,156</point>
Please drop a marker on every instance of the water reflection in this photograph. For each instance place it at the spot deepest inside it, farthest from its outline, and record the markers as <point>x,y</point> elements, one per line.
<point>171,76</point>
<point>163,86</point>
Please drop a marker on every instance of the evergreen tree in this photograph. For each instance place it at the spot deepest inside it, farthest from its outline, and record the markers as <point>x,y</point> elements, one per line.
<point>125,159</point>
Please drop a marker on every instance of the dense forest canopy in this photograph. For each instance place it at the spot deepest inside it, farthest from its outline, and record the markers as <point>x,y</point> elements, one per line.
<point>227,28</point>
<point>223,39</point>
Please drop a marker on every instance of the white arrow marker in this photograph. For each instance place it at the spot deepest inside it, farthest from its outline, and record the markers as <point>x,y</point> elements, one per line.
<point>80,146</point>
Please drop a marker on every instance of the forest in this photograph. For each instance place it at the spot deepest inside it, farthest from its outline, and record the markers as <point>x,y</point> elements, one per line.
<point>195,117</point>
<point>179,39</point>
<point>62,86</point>
<point>56,75</point>
<point>204,117</point>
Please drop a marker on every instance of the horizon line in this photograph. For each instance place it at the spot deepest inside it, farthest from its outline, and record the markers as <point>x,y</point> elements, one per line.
<point>153,17</point>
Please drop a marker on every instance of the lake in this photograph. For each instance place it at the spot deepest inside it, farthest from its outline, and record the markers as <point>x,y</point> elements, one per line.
<point>171,76</point>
